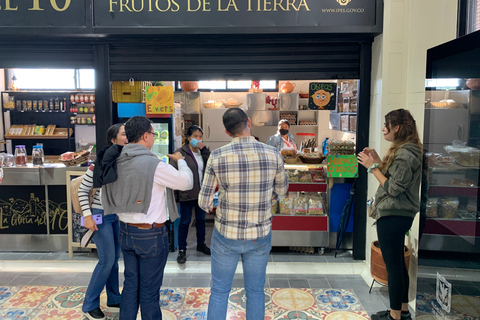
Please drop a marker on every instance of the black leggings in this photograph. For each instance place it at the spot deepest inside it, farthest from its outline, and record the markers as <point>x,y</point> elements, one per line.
<point>391,237</point>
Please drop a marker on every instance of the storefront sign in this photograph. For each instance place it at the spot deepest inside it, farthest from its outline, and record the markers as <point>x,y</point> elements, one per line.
<point>322,95</point>
<point>36,13</point>
<point>191,15</point>
<point>159,100</point>
<point>342,166</point>
<point>24,210</point>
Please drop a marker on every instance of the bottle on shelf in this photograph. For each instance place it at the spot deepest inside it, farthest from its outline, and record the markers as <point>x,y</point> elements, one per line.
<point>64,108</point>
<point>57,104</point>
<point>51,104</point>
<point>38,158</point>
<point>20,156</point>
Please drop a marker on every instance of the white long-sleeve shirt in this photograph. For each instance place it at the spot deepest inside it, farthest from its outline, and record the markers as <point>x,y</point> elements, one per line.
<point>84,190</point>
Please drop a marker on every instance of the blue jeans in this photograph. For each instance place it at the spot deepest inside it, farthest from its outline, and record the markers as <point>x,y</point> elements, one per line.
<point>225,256</point>
<point>106,270</point>
<point>145,253</point>
<point>186,208</point>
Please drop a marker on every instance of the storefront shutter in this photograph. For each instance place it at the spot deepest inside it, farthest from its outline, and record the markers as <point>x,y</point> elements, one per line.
<point>236,57</point>
<point>46,55</point>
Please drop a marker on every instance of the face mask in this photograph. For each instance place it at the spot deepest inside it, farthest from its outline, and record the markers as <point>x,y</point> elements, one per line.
<point>194,142</point>
<point>283,132</point>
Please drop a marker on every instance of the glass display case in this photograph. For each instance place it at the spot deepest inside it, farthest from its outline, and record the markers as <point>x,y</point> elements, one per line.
<point>301,217</point>
<point>450,142</point>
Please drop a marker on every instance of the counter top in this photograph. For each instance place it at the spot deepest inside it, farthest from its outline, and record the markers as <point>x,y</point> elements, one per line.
<point>49,174</point>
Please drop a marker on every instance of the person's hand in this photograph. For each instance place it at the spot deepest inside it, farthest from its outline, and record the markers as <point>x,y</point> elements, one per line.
<point>89,223</point>
<point>366,158</point>
<point>200,145</point>
<point>374,154</point>
<point>176,156</point>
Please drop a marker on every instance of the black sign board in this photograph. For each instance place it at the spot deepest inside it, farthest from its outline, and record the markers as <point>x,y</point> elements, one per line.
<point>187,16</point>
<point>234,13</point>
<point>41,13</point>
<point>322,95</point>
<point>23,210</point>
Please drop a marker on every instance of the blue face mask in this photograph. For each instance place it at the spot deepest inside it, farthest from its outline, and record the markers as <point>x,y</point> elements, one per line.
<point>194,142</point>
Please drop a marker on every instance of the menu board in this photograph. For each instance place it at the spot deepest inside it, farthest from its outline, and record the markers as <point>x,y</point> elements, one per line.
<point>321,95</point>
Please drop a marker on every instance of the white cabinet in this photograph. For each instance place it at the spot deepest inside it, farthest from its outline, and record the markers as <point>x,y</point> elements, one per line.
<point>213,126</point>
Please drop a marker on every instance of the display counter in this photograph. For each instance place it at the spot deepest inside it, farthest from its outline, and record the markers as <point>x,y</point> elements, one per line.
<point>33,208</point>
<point>301,217</point>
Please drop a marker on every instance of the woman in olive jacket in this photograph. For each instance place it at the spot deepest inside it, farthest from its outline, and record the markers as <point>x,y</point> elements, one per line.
<point>196,155</point>
<point>396,202</point>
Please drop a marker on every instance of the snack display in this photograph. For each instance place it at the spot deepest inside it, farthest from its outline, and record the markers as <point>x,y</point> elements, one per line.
<point>432,209</point>
<point>448,207</point>
<point>286,205</point>
<point>463,155</point>
<point>292,175</point>
<point>315,205</point>
<point>301,205</point>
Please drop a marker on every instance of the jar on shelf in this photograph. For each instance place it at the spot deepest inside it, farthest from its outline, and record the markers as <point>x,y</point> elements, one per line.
<point>20,156</point>
<point>38,158</point>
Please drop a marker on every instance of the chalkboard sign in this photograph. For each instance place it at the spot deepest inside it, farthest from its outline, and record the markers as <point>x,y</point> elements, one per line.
<point>342,166</point>
<point>322,95</point>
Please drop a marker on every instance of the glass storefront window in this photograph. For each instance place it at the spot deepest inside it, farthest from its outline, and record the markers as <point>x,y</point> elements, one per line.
<point>44,79</point>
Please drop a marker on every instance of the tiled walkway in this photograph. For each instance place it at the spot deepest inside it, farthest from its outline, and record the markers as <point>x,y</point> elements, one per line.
<point>298,286</point>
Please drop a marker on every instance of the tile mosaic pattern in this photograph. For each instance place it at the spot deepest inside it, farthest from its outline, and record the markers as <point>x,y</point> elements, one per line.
<point>65,302</point>
<point>463,307</point>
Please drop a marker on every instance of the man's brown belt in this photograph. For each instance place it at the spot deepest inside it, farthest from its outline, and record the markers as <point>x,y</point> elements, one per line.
<point>146,225</point>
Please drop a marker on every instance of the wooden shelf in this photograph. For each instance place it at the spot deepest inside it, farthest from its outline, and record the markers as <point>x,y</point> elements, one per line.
<point>59,133</point>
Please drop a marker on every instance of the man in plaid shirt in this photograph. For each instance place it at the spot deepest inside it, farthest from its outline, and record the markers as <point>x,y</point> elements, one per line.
<point>247,173</point>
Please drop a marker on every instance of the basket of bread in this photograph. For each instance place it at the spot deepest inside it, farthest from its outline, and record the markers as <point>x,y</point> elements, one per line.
<point>71,159</point>
<point>312,157</point>
<point>289,156</point>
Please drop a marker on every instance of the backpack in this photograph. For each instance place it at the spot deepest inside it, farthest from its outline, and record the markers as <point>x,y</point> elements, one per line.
<point>74,187</point>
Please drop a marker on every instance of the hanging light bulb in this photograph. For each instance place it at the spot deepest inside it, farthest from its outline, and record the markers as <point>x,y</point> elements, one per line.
<point>14,87</point>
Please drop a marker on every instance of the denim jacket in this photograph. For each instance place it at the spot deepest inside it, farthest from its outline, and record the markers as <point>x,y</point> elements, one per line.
<point>277,141</point>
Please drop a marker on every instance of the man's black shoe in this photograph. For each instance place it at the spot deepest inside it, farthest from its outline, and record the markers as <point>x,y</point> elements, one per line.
<point>204,249</point>
<point>95,314</point>
<point>113,308</point>
<point>182,257</point>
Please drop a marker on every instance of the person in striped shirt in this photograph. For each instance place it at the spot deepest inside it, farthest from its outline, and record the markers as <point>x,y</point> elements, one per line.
<point>247,173</point>
<point>106,241</point>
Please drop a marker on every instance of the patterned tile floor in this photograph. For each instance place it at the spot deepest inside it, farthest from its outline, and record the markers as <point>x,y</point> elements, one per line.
<point>186,303</point>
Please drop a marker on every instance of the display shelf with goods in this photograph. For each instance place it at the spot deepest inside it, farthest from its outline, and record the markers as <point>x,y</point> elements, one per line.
<point>344,117</point>
<point>300,217</point>
<point>452,205</point>
<point>32,117</point>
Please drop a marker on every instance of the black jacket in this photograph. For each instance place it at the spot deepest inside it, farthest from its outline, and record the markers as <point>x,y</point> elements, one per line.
<point>106,165</point>
<point>192,164</point>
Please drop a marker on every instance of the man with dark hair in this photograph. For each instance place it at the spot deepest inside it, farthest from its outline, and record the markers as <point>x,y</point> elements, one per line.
<point>247,173</point>
<point>138,198</point>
